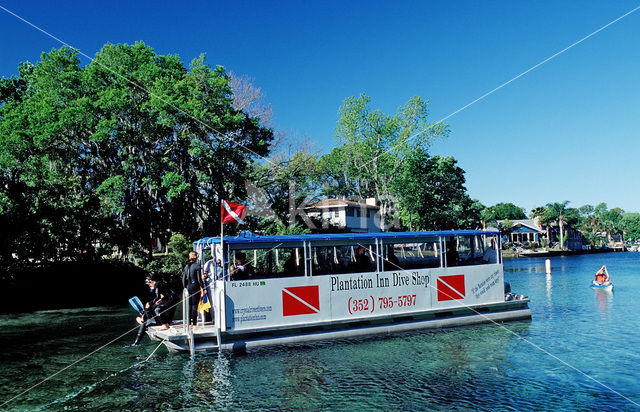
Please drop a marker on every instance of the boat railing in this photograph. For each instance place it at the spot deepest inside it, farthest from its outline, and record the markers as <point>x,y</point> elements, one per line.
<point>186,320</point>
<point>185,310</point>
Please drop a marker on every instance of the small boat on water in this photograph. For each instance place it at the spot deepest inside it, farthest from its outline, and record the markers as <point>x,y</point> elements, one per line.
<point>606,288</point>
<point>303,288</point>
<point>602,280</point>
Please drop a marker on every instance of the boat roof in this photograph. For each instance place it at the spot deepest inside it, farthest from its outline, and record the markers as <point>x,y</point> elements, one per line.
<point>252,238</point>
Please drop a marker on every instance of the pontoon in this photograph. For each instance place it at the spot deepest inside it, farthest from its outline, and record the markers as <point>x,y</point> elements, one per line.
<point>320,287</point>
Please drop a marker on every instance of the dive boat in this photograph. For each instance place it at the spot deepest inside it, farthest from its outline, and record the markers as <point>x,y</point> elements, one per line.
<point>303,288</point>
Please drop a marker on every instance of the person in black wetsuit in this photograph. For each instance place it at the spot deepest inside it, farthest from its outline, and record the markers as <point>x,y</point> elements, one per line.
<point>192,281</point>
<point>160,309</point>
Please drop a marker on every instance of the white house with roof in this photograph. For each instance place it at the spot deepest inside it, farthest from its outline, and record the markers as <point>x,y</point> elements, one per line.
<point>355,216</point>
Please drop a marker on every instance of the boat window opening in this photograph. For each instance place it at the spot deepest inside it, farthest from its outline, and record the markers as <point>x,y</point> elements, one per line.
<point>464,250</point>
<point>451,251</point>
<point>342,259</point>
<point>491,250</point>
<point>401,256</point>
<point>272,262</point>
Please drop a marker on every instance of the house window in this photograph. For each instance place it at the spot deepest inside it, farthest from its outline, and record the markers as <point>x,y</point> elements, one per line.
<point>368,213</point>
<point>357,212</point>
<point>336,213</point>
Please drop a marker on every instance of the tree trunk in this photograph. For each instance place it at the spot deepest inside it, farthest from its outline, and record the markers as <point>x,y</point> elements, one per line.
<point>548,235</point>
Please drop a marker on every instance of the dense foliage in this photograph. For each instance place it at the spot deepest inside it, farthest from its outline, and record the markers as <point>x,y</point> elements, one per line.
<point>502,211</point>
<point>386,157</point>
<point>130,147</point>
<point>105,159</point>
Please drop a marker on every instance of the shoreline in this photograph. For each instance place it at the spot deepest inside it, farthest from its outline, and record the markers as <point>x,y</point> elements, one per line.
<point>549,253</point>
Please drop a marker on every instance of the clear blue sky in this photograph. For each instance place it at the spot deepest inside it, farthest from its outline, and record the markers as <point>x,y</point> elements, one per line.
<point>566,131</point>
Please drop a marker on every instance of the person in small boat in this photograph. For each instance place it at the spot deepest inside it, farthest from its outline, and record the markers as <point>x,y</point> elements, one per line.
<point>602,277</point>
<point>241,270</point>
<point>192,281</point>
<point>160,309</point>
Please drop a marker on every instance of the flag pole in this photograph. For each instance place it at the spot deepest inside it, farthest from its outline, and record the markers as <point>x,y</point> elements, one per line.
<point>224,274</point>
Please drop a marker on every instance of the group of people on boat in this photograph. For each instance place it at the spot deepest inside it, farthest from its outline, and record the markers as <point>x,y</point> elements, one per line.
<point>160,309</point>
<point>602,277</point>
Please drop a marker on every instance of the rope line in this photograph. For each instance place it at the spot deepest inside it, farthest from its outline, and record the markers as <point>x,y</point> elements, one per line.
<point>216,133</point>
<point>457,300</point>
<point>512,80</point>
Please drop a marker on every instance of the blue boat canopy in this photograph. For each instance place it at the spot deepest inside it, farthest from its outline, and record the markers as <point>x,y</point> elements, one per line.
<point>248,238</point>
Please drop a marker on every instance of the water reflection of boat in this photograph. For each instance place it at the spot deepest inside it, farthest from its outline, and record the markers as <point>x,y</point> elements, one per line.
<point>319,287</point>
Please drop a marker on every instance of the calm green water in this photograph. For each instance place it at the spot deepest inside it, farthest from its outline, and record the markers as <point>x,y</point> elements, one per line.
<point>478,368</point>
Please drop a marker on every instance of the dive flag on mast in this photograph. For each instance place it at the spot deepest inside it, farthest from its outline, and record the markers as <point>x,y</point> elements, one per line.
<point>233,212</point>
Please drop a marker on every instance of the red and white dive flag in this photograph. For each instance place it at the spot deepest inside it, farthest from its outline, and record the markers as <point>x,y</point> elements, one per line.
<point>233,212</point>
<point>300,300</point>
<point>451,287</point>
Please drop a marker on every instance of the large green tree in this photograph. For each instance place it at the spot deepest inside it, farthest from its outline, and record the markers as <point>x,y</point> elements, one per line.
<point>502,211</point>
<point>631,222</point>
<point>432,194</point>
<point>373,148</point>
<point>132,146</point>
<point>282,188</point>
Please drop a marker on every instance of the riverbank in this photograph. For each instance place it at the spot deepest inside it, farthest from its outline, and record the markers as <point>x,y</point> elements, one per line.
<point>69,285</point>
<point>510,254</point>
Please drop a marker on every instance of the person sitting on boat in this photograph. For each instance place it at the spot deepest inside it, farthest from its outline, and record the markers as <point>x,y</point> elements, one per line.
<point>490,255</point>
<point>452,256</point>
<point>391,262</point>
<point>241,270</point>
<point>602,276</point>
<point>292,267</point>
<point>160,309</point>
<point>362,262</point>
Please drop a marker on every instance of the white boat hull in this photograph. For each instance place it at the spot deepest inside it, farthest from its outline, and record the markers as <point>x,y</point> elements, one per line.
<point>606,288</point>
<point>205,336</point>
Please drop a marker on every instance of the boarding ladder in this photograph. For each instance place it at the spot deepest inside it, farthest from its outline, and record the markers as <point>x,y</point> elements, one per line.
<point>217,302</point>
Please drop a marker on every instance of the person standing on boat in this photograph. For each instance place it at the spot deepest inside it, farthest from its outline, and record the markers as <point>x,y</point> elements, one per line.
<point>212,272</point>
<point>602,276</point>
<point>192,282</point>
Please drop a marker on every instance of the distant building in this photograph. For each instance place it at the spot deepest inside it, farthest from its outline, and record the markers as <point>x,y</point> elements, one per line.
<point>525,230</point>
<point>529,230</point>
<point>357,217</point>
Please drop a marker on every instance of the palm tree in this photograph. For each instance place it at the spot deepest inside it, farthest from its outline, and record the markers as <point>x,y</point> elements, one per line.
<point>536,214</point>
<point>555,212</point>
